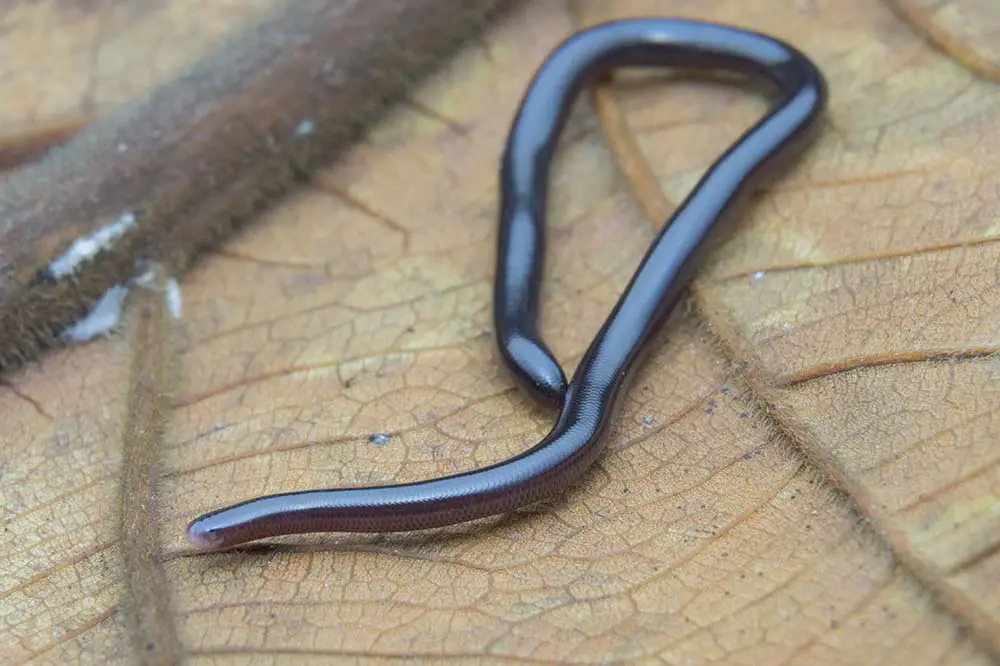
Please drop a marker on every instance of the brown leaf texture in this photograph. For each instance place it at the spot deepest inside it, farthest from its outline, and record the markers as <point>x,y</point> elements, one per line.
<point>803,472</point>
<point>67,62</point>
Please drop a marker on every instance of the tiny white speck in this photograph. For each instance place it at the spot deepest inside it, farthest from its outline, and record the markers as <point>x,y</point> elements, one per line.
<point>305,128</point>
<point>648,420</point>
<point>145,278</point>
<point>757,277</point>
<point>122,147</point>
<point>101,319</point>
<point>173,296</point>
<point>84,249</point>
<point>378,439</point>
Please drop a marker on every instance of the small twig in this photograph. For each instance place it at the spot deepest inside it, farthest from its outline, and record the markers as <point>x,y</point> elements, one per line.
<point>146,596</point>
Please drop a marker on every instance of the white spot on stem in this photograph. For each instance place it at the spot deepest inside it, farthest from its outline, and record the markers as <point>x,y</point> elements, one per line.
<point>84,249</point>
<point>104,315</point>
<point>101,319</point>
<point>305,128</point>
<point>173,296</point>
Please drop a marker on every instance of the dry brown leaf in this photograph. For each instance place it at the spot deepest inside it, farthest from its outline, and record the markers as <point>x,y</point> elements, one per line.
<point>966,30</point>
<point>801,473</point>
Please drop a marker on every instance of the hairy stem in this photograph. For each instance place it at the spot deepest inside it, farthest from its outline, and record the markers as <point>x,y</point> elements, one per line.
<point>163,177</point>
<point>146,600</point>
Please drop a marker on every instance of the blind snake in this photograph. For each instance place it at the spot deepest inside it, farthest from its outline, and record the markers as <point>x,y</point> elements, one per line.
<point>588,402</point>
